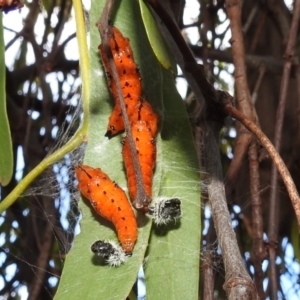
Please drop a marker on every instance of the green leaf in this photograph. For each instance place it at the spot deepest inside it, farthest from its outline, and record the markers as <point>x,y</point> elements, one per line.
<point>176,175</point>
<point>157,42</point>
<point>6,154</point>
<point>83,277</point>
<point>173,256</point>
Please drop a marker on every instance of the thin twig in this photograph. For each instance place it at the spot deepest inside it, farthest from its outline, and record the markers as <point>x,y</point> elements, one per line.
<point>272,64</point>
<point>274,205</point>
<point>243,96</point>
<point>258,253</point>
<point>44,251</point>
<point>208,275</point>
<point>142,199</point>
<point>289,57</point>
<point>208,263</point>
<point>262,71</point>
<point>277,160</point>
<point>233,8</point>
<point>250,18</point>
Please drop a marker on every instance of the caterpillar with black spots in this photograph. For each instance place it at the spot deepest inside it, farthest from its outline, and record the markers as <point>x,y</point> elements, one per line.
<point>146,152</point>
<point>110,202</point>
<point>129,78</point>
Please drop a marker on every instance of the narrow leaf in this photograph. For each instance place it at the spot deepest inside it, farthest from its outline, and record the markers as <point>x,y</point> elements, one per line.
<point>173,257</point>
<point>176,175</point>
<point>83,277</point>
<point>157,42</point>
<point>6,154</point>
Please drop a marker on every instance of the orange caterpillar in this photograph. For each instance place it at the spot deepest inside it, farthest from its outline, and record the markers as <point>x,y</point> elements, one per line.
<point>146,114</point>
<point>142,118</point>
<point>142,110</point>
<point>146,152</point>
<point>110,202</point>
<point>129,78</point>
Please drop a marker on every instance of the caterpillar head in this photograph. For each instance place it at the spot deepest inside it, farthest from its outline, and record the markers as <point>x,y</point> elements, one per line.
<point>111,252</point>
<point>165,210</point>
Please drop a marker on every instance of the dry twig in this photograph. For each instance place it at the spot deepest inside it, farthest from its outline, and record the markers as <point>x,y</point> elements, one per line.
<point>238,282</point>
<point>244,139</point>
<point>277,160</point>
<point>274,205</point>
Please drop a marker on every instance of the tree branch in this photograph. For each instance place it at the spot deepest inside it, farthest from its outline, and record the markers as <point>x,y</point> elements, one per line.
<point>238,281</point>
<point>274,205</point>
<point>258,253</point>
<point>238,284</point>
<point>243,96</point>
<point>277,160</point>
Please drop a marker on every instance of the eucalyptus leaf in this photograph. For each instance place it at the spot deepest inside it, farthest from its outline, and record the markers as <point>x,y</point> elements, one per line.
<point>83,276</point>
<point>176,174</point>
<point>173,255</point>
<point>157,42</point>
<point>6,153</point>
